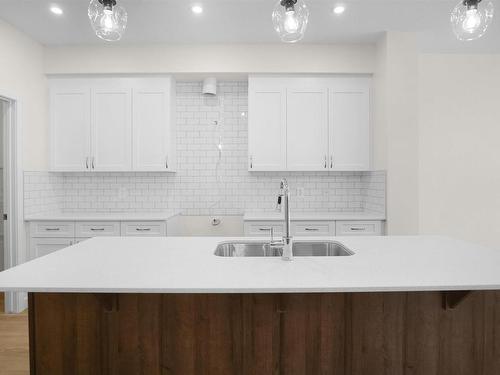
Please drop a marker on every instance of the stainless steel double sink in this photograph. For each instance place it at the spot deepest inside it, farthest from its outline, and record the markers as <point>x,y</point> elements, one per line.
<point>299,248</point>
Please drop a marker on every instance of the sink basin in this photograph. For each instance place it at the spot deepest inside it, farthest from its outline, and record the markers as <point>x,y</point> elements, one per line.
<point>299,248</point>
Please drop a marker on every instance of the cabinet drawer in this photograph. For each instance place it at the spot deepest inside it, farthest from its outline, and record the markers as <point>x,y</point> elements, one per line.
<point>52,229</point>
<point>144,228</point>
<point>97,229</point>
<point>359,228</point>
<point>263,228</point>
<point>43,246</point>
<point>313,228</point>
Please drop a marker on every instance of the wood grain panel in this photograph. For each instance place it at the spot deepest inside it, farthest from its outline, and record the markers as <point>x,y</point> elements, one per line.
<point>462,341</point>
<point>139,334</point>
<point>376,335</point>
<point>202,334</point>
<point>261,334</point>
<point>66,334</point>
<point>492,333</point>
<point>264,334</point>
<point>312,334</point>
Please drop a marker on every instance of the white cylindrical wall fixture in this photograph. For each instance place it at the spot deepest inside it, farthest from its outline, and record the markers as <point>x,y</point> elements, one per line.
<point>210,86</point>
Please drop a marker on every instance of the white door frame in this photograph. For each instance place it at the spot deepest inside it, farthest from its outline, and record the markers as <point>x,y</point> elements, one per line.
<point>14,233</point>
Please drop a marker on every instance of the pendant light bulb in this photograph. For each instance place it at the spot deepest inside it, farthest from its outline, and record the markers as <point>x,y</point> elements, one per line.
<point>107,19</point>
<point>290,19</point>
<point>470,19</point>
<point>291,24</point>
<point>107,22</point>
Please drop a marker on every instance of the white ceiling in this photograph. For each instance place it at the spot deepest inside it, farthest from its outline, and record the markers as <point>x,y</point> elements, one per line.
<point>249,21</point>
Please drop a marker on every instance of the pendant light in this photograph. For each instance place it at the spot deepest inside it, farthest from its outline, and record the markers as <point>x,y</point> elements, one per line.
<point>470,18</point>
<point>290,19</point>
<point>107,19</point>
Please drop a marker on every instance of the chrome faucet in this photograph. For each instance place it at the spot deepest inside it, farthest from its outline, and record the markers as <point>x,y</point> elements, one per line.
<point>286,242</point>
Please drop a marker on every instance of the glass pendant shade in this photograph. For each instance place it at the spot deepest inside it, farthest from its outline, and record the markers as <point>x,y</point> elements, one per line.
<point>470,18</point>
<point>107,19</point>
<point>290,19</point>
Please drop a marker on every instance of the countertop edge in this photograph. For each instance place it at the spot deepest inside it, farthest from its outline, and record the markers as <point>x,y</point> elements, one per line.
<point>358,216</point>
<point>102,217</point>
<point>401,289</point>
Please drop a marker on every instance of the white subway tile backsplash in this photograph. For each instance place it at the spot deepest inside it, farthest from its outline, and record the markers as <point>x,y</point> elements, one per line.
<point>203,184</point>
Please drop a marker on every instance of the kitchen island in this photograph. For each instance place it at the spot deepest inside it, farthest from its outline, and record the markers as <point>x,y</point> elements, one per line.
<point>399,305</point>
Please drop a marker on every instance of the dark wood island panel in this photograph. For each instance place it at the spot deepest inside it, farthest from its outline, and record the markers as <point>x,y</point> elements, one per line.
<point>259,334</point>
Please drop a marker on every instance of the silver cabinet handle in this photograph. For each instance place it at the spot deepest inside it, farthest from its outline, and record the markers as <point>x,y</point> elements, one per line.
<point>93,165</point>
<point>357,228</point>
<point>325,161</point>
<point>331,161</point>
<point>166,162</point>
<point>265,229</point>
<point>87,162</point>
<point>143,229</point>
<point>97,229</point>
<point>311,229</point>
<point>52,229</point>
<point>251,161</point>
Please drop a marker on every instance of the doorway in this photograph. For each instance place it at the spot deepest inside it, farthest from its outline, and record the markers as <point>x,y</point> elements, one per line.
<point>11,204</point>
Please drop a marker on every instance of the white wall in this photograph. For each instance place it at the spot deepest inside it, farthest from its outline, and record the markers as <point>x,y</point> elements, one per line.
<point>396,128</point>
<point>241,58</point>
<point>459,179</point>
<point>21,74</point>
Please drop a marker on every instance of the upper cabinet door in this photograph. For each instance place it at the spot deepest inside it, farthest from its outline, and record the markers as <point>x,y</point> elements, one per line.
<point>111,129</point>
<point>307,129</point>
<point>350,127</point>
<point>151,123</point>
<point>69,129</point>
<point>267,129</point>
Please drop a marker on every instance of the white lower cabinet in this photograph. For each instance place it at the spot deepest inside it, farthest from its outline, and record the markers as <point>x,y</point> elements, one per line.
<point>359,228</point>
<point>97,229</point>
<point>315,228</point>
<point>52,229</point>
<point>43,246</point>
<point>144,228</point>
<point>45,237</point>
<point>263,228</point>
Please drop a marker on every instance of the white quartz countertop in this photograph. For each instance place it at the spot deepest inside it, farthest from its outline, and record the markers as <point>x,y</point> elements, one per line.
<point>102,216</point>
<point>312,216</point>
<point>187,265</point>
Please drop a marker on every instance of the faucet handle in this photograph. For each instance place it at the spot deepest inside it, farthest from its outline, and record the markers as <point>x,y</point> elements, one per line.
<point>278,203</point>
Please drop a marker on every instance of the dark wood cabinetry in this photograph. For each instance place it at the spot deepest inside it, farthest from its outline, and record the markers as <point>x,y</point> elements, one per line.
<point>259,334</point>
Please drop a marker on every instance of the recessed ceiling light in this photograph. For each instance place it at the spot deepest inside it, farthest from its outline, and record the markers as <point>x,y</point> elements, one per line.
<point>56,10</point>
<point>339,9</point>
<point>197,9</point>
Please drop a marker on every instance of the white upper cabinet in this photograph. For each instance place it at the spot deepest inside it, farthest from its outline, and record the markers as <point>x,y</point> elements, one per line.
<point>111,129</point>
<point>112,124</point>
<point>322,125</point>
<point>70,128</point>
<point>307,129</point>
<point>350,126</point>
<point>267,129</point>
<point>153,137</point>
